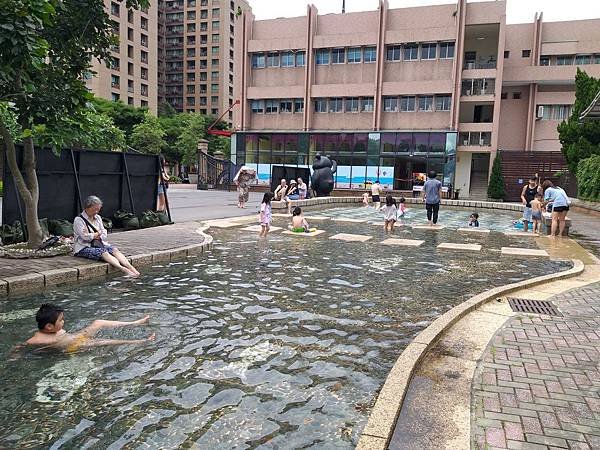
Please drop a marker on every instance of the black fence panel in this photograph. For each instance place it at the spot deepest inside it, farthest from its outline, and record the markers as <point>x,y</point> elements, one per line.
<point>122,180</point>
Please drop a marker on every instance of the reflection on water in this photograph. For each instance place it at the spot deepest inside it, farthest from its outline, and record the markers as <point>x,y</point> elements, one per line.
<point>279,343</point>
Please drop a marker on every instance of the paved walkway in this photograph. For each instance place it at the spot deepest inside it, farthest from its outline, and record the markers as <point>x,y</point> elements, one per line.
<point>586,231</point>
<point>538,385</point>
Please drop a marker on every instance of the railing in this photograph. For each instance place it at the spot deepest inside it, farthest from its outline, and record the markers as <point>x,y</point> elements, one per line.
<point>479,65</point>
<point>214,173</point>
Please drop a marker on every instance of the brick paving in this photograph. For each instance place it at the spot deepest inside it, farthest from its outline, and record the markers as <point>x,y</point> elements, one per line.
<point>130,243</point>
<point>538,384</point>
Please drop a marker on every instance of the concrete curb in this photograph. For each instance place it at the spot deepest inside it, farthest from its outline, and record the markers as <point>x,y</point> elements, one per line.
<point>37,281</point>
<point>382,421</point>
<point>358,200</point>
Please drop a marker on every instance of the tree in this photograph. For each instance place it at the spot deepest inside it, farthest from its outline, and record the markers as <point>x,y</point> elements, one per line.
<point>166,110</point>
<point>187,143</point>
<point>580,140</point>
<point>46,46</point>
<point>147,137</point>
<point>496,189</point>
<point>124,116</point>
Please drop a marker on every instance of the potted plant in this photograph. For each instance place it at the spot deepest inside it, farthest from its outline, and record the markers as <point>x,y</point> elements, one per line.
<point>496,190</point>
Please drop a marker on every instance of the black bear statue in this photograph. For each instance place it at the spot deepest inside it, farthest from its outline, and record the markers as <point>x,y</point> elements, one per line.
<point>322,177</point>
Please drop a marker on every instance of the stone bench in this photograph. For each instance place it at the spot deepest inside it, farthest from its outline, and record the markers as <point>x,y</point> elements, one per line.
<point>547,222</point>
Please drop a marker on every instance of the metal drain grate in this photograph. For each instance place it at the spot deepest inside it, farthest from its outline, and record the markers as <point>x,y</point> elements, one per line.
<point>533,306</point>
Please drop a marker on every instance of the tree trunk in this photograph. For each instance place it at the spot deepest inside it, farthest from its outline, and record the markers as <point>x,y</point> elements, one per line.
<point>28,190</point>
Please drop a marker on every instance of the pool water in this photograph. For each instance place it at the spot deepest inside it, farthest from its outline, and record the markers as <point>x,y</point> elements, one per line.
<point>274,343</point>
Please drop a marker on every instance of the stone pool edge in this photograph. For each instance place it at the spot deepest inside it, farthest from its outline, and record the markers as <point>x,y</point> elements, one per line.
<point>36,281</point>
<point>379,429</point>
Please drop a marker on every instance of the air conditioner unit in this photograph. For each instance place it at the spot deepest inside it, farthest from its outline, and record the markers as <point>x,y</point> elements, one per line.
<point>540,112</point>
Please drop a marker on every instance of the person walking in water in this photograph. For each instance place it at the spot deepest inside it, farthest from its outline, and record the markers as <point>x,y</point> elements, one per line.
<point>432,195</point>
<point>527,195</point>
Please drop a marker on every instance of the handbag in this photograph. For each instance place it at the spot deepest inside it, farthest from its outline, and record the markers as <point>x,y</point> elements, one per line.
<point>96,243</point>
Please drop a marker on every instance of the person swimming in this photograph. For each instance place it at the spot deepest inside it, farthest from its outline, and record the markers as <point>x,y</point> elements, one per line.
<point>299,223</point>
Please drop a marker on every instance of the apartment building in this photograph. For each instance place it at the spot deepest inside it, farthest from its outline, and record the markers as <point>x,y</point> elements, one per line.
<point>132,77</point>
<point>196,51</point>
<point>393,93</point>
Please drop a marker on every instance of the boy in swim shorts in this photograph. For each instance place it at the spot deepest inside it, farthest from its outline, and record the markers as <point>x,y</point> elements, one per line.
<point>51,319</point>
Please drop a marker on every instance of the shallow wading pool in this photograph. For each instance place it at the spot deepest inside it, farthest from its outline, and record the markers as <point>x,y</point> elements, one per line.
<point>277,343</point>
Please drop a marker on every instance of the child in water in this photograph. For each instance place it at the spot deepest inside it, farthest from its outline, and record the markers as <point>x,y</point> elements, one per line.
<point>265,218</point>
<point>537,206</point>
<point>401,207</point>
<point>474,220</point>
<point>390,213</point>
<point>299,223</point>
<point>365,200</point>
<point>51,319</point>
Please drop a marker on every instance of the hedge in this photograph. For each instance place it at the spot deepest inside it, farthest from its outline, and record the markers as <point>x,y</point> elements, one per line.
<point>588,178</point>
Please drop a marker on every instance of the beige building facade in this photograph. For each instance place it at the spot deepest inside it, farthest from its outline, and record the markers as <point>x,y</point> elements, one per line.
<point>393,93</point>
<point>133,76</point>
<point>196,51</point>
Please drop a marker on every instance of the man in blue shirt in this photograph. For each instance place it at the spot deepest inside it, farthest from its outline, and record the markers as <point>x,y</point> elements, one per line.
<point>558,198</point>
<point>432,194</point>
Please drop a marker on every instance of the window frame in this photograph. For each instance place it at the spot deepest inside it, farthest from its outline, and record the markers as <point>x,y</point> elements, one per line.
<point>357,53</point>
<point>323,55</point>
<point>337,102</point>
<point>393,49</point>
<point>372,52</point>
<point>428,46</point>
<point>364,101</point>
<point>271,106</point>
<point>287,102</point>
<point>286,59</point>
<point>407,49</point>
<point>273,59</point>
<point>300,55</point>
<point>425,99</point>
<point>338,55</point>
<point>391,104</point>
<point>322,103</point>
<point>349,103</point>
<point>446,46</point>
<point>443,99</point>
<point>408,100</point>
<point>256,57</point>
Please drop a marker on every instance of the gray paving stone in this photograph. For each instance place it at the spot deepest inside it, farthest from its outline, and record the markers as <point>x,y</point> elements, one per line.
<point>59,276</point>
<point>25,283</point>
<point>547,440</point>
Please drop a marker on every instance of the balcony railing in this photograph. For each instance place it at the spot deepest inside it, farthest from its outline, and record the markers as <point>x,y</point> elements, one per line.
<point>475,138</point>
<point>472,65</point>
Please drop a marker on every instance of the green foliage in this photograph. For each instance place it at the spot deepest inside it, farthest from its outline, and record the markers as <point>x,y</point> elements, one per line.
<point>166,110</point>
<point>124,116</point>
<point>580,140</point>
<point>496,189</point>
<point>147,137</point>
<point>193,130</point>
<point>588,178</point>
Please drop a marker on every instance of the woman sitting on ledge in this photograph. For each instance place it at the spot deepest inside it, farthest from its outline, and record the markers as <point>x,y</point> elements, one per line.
<point>90,238</point>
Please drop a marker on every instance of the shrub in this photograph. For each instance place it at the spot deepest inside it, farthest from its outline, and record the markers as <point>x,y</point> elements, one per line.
<point>496,188</point>
<point>588,178</point>
<point>174,179</point>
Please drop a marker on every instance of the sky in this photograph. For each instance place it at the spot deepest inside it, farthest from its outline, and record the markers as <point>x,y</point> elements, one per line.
<point>517,11</point>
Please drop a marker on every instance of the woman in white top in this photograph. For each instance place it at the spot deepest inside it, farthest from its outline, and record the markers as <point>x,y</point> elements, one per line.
<point>90,238</point>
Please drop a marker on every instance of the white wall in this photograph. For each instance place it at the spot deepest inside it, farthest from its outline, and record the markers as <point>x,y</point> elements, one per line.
<point>462,179</point>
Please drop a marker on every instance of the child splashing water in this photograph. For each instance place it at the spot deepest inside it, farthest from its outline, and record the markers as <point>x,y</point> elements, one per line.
<point>390,213</point>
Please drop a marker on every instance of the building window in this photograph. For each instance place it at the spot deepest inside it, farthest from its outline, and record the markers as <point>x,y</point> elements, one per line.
<point>191,27</point>
<point>115,81</point>
<point>506,54</point>
<point>351,104</point>
<point>564,60</point>
<point>393,53</point>
<point>257,106</point>
<point>130,34</point>
<point>411,52</point>
<point>443,102</point>
<point>287,59</point>
<point>216,12</point>
<point>271,107</point>
<point>144,23</point>
<point>114,9</point>
<point>273,60</point>
<point>144,73</point>
<point>336,105</point>
<point>214,99</point>
<point>407,104</point>
<point>544,60</point>
<point>215,25</point>
<point>555,112</point>
<point>285,106</point>
<point>446,50</point>
<point>516,95</point>
<point>354,55</point>
<point>191,52</point>
<point>299,105</point>
<point>300,59</point>
<point>426,103</point>
<point>258,60</point>
<point>214,87</point>
<point>144,103</point>
<point>214,62</point>
<point>390,104</point>
<point>129,68</point>
<point>191,89</point>
<point>191,15</point>
<point>215,38</point>
<point>320,105</point>
<point>366,104</point>
<point>214,75</point>
<point>115,97</point>
<point>338,56</point>
<point>504,95</point>
<point>428,51</point>
<point>526,53</point>
<point>370,54</point>
<point>191,101</point>
<point>322,57</point>
<point>583,59</point>
<point>115,64</point>
<point>191,40</point>
<point>130,101</point>
<point>214,50</point>
<point>144,40</point>
<point>191,65</point>
<point>130,16</point>
<point>130,86</point>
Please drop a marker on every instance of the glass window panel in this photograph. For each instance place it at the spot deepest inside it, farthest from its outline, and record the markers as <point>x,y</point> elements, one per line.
<point>273,60</point>
<point>390,104</point>
<point>370,54</point>
<point>373,149</point>
<point>428,51</point>
<point>354,55</point>
<point>411,52</point>
<point>338,56</point>
<point>287,59</point>
<point>388,143</point>
<point>335,105</point>
<point>351,104</point>
<point>322,56</point>
<point>404,143</point>
<point>258,60</point>
<point>299,105</point>
<point>407,104</point>
<point>366,104</point>
<point>320,105</point>
<point>421,143</point>
<point>299,59</point>
<point>426,103</point>
<point>437,143</point>
<point>447,50</point>
<point>393,53</point>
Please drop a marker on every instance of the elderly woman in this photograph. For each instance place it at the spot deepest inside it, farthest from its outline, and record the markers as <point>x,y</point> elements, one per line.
<point>281,190</point>
<point>242,179</point>
<point>90,238</point>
